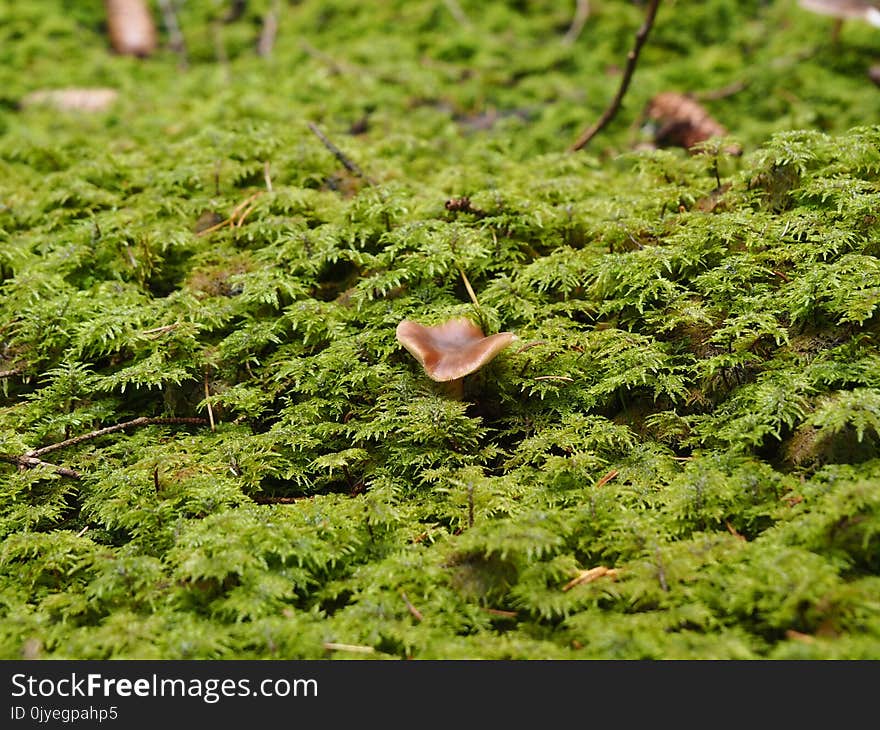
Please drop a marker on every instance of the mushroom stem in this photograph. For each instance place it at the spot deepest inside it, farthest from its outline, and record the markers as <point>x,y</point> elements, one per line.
<point>450,351</point>
<point>835,31</point>
<point>454,388</point>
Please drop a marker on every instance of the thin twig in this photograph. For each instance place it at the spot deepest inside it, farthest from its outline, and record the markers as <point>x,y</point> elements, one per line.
<point>83,531</point>
<point>467,285</point>
<point>500,612</point>
<point>208,403</point>
<point>607,478</point>
<point>733,531</point>
<point>631,61</point>
<point>270,30</point>
<point>236,216</point>
<point>529,346</point>
<point>260,499</point>
<point>799,636</point>
<point>588,576</point>
<point>328,60</point>
<point>457,12</point>
<point>355,648</point>
<point>267,177</point>
<point>161,330</point>
<point>142,421</point>
<point>661,573</point>
<point>563,378</point>
<point>412,609</point>
<point>175,37</point>
<point>470,500</point>
<point>244,214</point>
<point>347,162</point>
<point>10,373</point>
<point>581,13</point>
<point>32,462</point>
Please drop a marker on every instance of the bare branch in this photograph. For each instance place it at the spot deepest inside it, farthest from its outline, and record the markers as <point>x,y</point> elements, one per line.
<point>349,164</point>
<point>631,61</point>
<point>32,462</point>
<point>142,421</point>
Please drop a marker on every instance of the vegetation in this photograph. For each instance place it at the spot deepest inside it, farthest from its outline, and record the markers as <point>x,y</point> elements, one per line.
<point>678,457</point>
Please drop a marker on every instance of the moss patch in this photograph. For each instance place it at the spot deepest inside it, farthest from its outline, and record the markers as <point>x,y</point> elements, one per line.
<point>693,402</point>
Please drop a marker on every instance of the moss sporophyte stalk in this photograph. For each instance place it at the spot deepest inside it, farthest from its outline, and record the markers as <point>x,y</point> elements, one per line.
<point>219,432</point>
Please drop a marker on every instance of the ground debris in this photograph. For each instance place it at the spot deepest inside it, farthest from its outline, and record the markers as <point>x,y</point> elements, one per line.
<point>72,99</point>
<point>681,121</point>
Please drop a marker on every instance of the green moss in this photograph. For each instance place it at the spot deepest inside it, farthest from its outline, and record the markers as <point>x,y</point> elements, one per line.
<point>692,403</point>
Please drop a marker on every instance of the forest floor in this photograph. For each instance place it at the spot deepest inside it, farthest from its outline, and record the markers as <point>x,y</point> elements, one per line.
<point>213,445</point>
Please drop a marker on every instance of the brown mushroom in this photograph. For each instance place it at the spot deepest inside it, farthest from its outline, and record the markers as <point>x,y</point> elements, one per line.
<point>840,10</point>
<point>451,350</point>
<point>131,27</point>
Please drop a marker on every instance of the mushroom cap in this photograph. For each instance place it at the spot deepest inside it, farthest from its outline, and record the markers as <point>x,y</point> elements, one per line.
<point>453,349</point>
<point>854,9</point>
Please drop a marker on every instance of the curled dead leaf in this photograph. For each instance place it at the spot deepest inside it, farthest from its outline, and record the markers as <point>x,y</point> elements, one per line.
<point>684,122</point>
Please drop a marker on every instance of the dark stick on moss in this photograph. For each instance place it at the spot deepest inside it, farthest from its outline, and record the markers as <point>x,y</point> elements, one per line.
<point>276,500</point>
<point>142,421</point>
<point>347,162</point>
<point>631,61</point>
<point>32,462</point>
<point>470,498</point>
<point>217,165</point>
